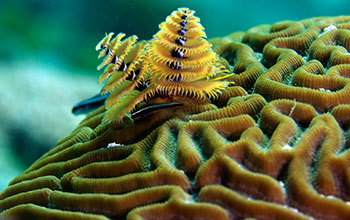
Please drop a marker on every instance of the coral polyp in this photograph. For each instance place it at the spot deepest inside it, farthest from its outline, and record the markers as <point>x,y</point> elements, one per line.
<point>177,64</point>
<point>275,145</point>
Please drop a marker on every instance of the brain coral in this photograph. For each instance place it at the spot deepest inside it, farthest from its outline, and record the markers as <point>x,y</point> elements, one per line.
<point>275,145</point>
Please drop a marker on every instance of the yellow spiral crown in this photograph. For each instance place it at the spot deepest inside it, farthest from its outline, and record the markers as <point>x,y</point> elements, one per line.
<point>179,51</point>
<point>181,60</point>
<point>177,62</point>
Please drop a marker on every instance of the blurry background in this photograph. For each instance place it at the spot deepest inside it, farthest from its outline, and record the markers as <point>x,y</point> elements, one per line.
<point>48,62</point>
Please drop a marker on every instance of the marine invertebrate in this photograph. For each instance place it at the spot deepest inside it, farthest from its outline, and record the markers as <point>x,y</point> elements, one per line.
<point>177,65</point>
<point>278,150</point>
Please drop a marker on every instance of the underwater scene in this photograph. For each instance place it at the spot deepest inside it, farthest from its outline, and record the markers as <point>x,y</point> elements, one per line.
<point>175,109</point>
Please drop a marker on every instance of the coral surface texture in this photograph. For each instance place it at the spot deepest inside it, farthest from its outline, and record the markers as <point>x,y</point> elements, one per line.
<point>254,125</point>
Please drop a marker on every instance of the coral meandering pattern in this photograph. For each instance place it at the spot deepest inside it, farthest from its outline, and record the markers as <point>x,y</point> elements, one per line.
<point>275,145</point>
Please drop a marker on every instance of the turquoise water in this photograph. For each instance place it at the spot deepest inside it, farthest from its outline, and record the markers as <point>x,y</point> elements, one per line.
<point>65,32</point>
<point>48,62</point>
